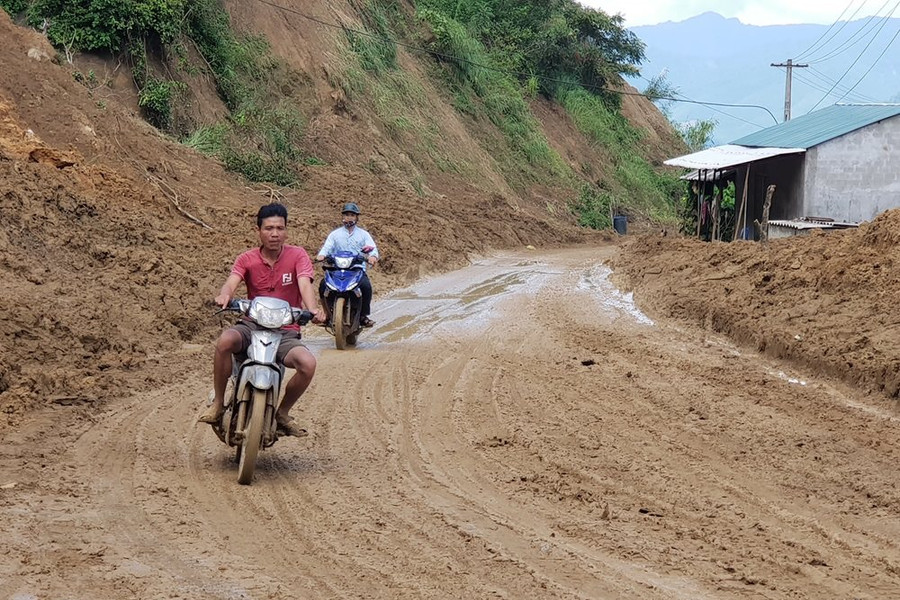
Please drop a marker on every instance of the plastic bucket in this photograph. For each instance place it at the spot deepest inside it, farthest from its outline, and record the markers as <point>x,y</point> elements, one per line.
<point>620,224</point>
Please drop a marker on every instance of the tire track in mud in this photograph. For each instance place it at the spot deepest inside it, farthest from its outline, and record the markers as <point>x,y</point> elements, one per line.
<point>547,446</point>
<point>726,478</point>
<point>581,571</point>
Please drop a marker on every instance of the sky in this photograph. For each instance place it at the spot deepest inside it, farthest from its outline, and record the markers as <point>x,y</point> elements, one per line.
<point>751,12</point>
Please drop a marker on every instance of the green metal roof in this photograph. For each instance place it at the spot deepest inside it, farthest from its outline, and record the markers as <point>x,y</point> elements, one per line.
<point>820,126</point>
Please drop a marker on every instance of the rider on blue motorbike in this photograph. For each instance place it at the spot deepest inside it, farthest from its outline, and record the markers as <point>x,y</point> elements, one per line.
<point>352,238</point>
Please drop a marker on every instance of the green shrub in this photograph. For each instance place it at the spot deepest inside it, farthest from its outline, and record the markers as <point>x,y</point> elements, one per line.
<point>156,97</point>
<point>108,24</point>
<point>14,7</point>
<point>593,207</point>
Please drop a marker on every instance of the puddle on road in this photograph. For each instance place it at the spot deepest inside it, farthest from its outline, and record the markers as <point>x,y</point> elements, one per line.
<point>469,294</point>
<point>596,280</point>
<point>473,294</point>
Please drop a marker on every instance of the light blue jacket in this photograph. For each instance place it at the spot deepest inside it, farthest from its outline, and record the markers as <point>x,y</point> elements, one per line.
<point>348,240</point>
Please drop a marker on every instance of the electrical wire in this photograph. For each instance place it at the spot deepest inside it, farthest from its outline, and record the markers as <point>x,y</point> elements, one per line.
<point>716,110</point>
<point>810,49</point>
<point>827,80</point>
<point>823,84</point>
<point>823,88</point>
<point>853,87</point>
<point>856,37</point>
<point>853,64</point>
<point>458,59</point>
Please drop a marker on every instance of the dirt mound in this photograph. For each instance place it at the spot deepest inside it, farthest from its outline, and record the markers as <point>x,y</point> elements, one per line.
<point>826,301</point>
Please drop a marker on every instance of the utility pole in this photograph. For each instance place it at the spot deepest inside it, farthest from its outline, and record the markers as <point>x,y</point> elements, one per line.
<point>790,66</point>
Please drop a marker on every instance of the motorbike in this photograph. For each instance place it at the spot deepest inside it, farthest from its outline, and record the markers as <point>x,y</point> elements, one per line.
<point>342,297</point>
<point>253,392</point>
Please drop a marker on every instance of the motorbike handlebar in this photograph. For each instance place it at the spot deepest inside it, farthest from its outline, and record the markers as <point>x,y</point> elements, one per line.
<point>302,317</point>
<point>241,305</point>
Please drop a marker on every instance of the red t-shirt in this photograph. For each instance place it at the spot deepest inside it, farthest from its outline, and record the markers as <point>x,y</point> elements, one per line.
<point>279,280</point>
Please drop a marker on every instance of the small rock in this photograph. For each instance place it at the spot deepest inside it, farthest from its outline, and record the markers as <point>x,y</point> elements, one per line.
<point>38,54</point>
<point>530,247</point>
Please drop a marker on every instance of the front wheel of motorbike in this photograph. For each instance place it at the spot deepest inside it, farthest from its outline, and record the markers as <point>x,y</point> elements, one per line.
<point>337,321</point>
<point>351,339</point>
<point>252,440</point>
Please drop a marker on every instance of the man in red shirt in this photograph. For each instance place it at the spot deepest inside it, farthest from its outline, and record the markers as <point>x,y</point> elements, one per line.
<point>282,271</point>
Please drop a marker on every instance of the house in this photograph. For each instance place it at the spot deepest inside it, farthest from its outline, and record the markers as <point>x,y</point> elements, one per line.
<point>836,166</point>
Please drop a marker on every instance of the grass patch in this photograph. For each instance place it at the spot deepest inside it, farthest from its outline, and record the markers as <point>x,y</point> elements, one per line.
<point>635,187</point>
<point>261,138</point>
<point>367,71</point>
<point>483,93</point>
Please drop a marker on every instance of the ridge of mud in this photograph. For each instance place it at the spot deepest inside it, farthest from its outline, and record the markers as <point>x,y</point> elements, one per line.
<point>827,302</point>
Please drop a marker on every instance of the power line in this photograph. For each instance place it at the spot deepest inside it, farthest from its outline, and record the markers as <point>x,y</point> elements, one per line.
<point>867,27</point>
<point>722,112</point>
<point>872,66</point>
<point>824,89</point>
<point>449,57</point>
<point>853,64</point>
<point>827,81</point>
<point>814,44</point>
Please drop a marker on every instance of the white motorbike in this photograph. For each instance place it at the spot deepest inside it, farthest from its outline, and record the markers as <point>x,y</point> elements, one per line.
<point>254,390</point>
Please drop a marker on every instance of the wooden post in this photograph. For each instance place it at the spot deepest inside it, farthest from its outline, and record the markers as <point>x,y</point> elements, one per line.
<point>742,214</point>
<point>763,228</point>
<point>717,206</point>
<point>701,188</point>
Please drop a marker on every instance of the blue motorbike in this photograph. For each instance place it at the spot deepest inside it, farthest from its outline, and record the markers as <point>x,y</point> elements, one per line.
<point>342,297</point>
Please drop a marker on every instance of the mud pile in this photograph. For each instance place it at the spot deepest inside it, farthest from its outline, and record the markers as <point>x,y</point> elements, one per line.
<point>827,301</point>
<point>113,238</point>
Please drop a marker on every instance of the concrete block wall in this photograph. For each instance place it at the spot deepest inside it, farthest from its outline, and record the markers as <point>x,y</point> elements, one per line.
<point>856,176</point>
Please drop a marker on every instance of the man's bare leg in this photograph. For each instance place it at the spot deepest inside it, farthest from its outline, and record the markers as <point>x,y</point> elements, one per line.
<point>228,343</point>
<point>304,364</point>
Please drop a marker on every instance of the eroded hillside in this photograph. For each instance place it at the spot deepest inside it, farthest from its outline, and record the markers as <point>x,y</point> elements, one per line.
<point>115,236</point>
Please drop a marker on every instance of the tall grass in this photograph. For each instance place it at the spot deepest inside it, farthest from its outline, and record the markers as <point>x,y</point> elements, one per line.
<point>635,187</point>
<point>478,90</point>
<point>368,72</point>
<point>261,138</point>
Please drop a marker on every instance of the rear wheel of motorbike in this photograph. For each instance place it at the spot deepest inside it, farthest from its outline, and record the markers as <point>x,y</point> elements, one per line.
<point>351,339</point>
<point>252,437</point>
<point>337,320</point>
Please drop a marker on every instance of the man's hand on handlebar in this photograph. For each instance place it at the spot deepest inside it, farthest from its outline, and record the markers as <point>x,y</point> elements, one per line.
<point>319,316</point>
<point>222,300</point>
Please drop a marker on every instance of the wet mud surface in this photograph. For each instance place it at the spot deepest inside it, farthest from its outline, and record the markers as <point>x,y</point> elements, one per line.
<point>516,429</point>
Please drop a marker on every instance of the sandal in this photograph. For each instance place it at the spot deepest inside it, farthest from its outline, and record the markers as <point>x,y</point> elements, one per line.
<point>290,427</point>
<point>211,416</point>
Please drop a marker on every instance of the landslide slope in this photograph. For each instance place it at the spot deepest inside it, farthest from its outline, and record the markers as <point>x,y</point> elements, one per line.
<point>113,237</point>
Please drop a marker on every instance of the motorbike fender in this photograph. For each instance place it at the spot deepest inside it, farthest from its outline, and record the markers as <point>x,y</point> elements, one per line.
<point>260,377</point>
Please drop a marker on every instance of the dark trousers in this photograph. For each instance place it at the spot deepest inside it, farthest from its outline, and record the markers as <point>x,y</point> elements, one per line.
<point>365,286</point>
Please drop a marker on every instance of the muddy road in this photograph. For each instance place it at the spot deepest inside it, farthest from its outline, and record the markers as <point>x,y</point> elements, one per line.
<point>517,429</point>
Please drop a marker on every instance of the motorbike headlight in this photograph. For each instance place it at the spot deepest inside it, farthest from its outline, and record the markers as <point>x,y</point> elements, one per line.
<point>271,318</point>
<point>343,262</point>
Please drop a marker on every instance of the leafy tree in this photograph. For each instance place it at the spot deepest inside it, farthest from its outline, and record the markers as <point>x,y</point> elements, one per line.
<point>13,7</point>
<point>697,134</point>
<point>551,40</point>
<point>659,89</point>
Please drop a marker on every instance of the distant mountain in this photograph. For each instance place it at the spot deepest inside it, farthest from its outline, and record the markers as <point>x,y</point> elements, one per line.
<point>715,59</point>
